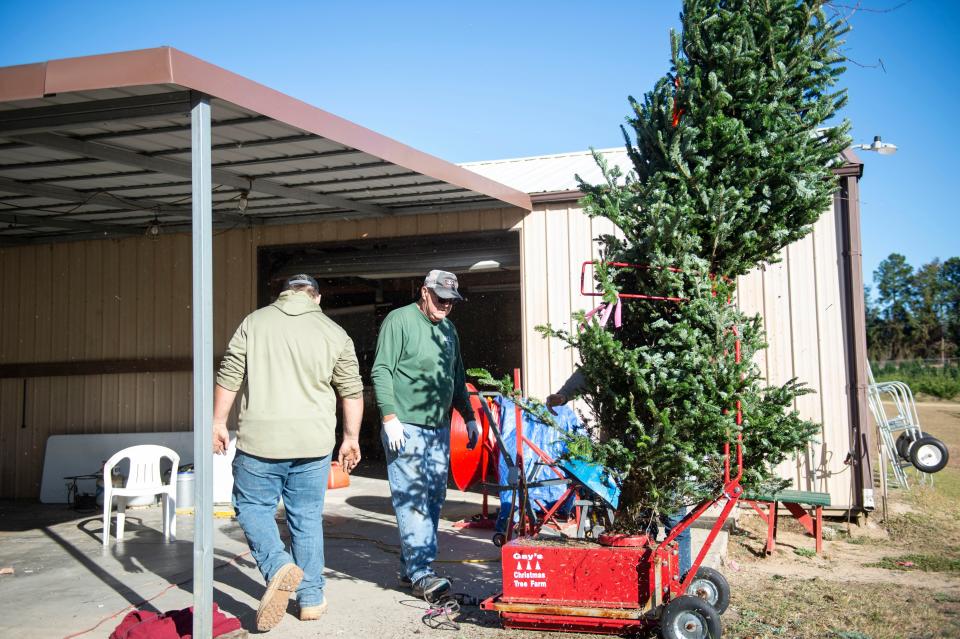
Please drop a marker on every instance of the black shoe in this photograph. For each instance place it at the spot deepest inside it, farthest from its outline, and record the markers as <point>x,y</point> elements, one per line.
<point>431,587</point>
<point>404,581</point>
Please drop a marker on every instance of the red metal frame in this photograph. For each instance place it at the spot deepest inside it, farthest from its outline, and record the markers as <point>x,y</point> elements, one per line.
<point>527,527</point>
<point>637,296</point>
<point>483,519</point>
<point>813,524</point>
<point>585,589</point>
<point>732,491</point>
<point>569,611</point>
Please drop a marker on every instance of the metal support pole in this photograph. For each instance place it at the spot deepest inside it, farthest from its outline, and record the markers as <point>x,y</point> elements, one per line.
<point>202,369</point>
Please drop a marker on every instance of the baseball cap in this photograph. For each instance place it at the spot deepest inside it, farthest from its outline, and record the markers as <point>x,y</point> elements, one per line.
<point>300,279</point>
<point>443,283</point>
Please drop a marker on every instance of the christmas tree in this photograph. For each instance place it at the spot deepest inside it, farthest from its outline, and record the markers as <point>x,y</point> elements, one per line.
<point>732,160</point>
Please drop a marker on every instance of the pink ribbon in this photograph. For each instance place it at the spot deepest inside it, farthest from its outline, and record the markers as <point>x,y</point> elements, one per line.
<point>606,309</point>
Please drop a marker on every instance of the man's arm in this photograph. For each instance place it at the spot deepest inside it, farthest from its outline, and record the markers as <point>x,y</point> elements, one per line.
<point>222,403</point>
<point>385,361</point>
<point>233,368</point>
<point>352,410</point>
<point>575,385</point>
<point>346,379</point>
<point>461,396</point>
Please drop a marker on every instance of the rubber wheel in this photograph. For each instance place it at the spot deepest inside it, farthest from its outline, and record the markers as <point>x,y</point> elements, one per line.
<point>499,539</point>
<point>712,587</point>
<point>689,617</point>
<point>903,444</point>
<point>929,454</point>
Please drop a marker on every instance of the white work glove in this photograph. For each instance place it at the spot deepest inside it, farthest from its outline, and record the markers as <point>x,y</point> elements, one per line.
<point>473,434</point>
<point>395,437</point>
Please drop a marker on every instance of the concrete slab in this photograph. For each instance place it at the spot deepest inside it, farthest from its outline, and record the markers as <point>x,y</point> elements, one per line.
<point>65,585</point>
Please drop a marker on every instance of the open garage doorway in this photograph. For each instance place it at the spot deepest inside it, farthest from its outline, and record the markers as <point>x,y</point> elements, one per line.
<point>362,281</point>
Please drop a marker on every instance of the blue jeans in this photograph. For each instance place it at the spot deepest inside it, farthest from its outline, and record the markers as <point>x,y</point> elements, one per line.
<point>418,488</point>
<point>258,484</point>
<point>683,539</point>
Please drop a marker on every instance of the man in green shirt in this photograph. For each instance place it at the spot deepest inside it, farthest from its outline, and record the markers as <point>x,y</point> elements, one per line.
<point>417,376</point>
<point>292,361</point>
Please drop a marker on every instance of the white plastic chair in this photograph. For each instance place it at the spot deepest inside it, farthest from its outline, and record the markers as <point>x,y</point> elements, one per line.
<point>143,479</point>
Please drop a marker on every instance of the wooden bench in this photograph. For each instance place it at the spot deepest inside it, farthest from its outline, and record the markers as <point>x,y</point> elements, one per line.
<point>793,501</point>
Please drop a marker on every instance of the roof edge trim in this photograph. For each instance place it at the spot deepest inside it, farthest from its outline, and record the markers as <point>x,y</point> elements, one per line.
<point>22,82</point>
<point>194,73</point>
<point>166,65</point>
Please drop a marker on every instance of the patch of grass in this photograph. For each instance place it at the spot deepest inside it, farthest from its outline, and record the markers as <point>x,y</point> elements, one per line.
<point>805,552</point>
<point>946,486</point>
<point>944,597</point>
<point>910,527</point>
<point>926,563</point>
<point>818,609</point>
<point>862,540</point>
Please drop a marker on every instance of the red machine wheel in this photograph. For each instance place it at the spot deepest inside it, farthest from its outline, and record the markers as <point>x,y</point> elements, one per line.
<point>711,586</point>
<point>690,617</point>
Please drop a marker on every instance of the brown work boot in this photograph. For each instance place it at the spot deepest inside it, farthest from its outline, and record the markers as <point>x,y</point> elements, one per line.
<point>273,605</point>
<point>312,613</point>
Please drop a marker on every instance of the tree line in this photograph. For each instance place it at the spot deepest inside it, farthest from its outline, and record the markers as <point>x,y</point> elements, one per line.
<point>915,313</point>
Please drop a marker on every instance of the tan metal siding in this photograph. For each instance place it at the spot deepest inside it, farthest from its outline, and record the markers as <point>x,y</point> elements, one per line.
<point>799,299</point>
<point>556,239</point>
<point>131,298</point>
<point>803,318</point>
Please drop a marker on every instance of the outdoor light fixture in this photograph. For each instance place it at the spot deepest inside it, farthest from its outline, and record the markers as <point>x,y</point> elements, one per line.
<point>243,201</point>
<point>153,230</point>
<point>485,265</point>
<point>883,148</point>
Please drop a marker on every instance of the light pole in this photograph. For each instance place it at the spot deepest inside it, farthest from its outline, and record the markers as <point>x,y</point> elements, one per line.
<point>883,148</point>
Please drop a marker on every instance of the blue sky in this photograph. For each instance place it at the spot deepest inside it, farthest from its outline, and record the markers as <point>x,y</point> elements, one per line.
<point>476,81</point>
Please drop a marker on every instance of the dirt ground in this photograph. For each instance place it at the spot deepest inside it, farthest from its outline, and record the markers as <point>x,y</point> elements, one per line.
<point>898,578</point>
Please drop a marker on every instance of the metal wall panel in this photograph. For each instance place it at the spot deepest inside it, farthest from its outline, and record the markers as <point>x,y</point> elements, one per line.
<point>798,299</point>
<point>803,318</point>
<point>130,298</point>
<point>556,239</point>
<point>127,298</point>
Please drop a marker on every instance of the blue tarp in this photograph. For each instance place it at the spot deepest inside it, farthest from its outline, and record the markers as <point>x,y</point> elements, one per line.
<point>547,439</point>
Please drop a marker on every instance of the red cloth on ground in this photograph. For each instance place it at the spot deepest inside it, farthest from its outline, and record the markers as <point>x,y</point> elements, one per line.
<point>173,624</point>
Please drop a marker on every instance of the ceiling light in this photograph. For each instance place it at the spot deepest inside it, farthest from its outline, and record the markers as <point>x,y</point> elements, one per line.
<point>153,230</point>
<point>243,201</point>
<point>485,265</point>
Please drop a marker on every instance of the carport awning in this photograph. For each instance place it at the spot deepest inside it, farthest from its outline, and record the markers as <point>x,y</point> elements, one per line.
<point>100,146</point>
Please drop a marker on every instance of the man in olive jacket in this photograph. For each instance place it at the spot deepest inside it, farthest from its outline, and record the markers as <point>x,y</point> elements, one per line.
<point>293,358</point>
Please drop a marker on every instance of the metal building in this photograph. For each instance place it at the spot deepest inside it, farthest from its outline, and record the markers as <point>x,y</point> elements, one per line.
<point>149,200</point>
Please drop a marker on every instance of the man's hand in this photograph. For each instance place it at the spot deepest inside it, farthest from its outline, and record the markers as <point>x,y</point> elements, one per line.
<point>394,430</point>
<point>221,438</point>
<point>349,456</point>
<point>473,434</point>
<point>553,400</point>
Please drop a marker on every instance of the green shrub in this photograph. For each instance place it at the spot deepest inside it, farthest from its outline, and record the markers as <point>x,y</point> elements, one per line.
<point>935,380</point>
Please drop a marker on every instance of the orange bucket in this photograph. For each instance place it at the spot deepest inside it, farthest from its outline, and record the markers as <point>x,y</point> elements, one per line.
<point>338,478</point>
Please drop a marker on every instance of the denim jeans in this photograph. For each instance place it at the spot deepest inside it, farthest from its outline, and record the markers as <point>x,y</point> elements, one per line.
<point>258,484</point>
<point>683,539</point>
<point>418,488</point>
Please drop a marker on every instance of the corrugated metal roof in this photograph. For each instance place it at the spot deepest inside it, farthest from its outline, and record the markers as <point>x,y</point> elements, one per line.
<point>549,173</point>
<point>101,146</point>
